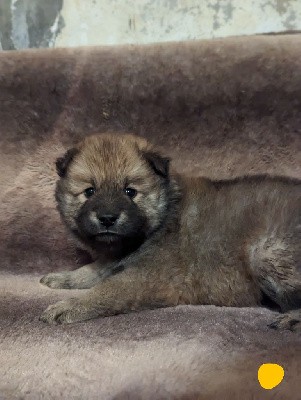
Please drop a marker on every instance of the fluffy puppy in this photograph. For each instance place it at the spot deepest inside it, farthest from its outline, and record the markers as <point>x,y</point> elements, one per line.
<point>161,239</point>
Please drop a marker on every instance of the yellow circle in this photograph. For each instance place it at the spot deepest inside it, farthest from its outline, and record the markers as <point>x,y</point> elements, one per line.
<point>270,375</point>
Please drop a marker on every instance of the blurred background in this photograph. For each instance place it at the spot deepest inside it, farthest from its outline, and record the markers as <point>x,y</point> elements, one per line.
<point>67,23</point>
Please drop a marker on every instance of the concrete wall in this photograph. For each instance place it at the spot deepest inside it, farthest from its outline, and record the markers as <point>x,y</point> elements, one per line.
<point>61,23</point>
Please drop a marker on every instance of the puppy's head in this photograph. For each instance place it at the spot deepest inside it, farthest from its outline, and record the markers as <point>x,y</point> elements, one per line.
<point>112,188</point>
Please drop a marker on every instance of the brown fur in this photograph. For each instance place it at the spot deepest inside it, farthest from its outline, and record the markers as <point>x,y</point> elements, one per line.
<point>179,240</point>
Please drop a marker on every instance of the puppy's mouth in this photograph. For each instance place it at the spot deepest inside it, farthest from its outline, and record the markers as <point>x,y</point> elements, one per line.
<point>107,235</point>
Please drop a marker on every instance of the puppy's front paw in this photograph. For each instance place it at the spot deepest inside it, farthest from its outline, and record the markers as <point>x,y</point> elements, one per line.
<point>288,321</point>
<point>57,280</point>
<point>67,312</point>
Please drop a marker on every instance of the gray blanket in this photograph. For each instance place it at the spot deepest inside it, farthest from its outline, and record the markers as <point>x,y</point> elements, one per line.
<point>219,108</point>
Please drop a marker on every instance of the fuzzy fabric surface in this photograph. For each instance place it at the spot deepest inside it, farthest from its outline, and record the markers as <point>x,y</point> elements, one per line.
<point>219,108</point>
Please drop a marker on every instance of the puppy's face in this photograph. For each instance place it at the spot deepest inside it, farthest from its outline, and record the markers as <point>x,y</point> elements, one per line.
<point>112,188</point>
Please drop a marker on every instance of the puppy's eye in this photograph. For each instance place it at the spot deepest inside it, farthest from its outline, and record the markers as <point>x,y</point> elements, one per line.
<point>130,192</point>
<point>89,192</point>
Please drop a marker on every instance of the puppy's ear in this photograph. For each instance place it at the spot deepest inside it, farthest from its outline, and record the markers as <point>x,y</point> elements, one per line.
<point>158,163</point>
<point>63,162</point>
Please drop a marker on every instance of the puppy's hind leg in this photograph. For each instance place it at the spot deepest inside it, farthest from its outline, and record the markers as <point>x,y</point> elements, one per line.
<point>276,264</point>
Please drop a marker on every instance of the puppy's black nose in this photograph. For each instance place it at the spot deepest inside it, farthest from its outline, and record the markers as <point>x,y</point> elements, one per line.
<point>108,220</point>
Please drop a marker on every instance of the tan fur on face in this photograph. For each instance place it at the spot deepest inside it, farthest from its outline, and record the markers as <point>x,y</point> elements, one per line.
<point>112,162</point>
<point>106,158</point>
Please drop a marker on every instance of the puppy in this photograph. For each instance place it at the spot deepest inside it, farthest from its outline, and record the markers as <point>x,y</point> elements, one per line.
<point>160,239</point>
